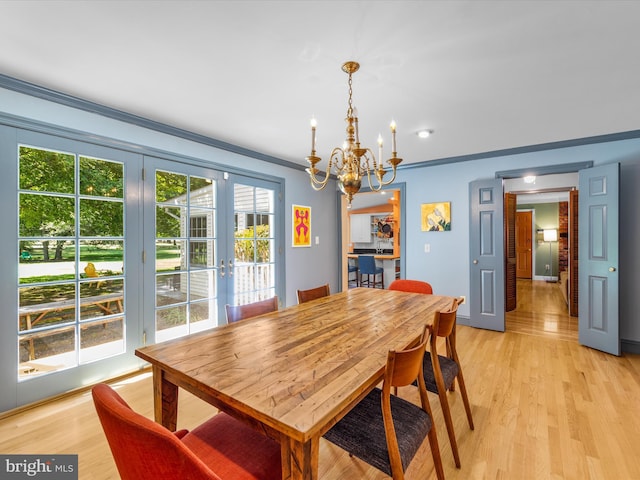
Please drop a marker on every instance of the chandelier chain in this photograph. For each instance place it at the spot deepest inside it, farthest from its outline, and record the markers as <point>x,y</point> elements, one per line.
<point>350,109</point>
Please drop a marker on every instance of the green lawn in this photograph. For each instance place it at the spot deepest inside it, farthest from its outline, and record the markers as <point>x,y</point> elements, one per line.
<point>88,253</point>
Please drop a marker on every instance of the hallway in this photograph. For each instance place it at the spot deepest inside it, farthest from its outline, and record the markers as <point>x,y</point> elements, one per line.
<point>542,311</point>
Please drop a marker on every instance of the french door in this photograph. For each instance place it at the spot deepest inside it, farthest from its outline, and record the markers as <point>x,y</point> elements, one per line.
<point>182,242</point>
<point>106,250</point>
<point>73,273</point>
<point>210,240</point>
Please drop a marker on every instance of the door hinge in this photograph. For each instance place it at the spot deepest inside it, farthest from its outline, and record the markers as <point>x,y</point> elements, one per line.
<point>144,256</point>
<point>144,174</point>
<point>144,337</point>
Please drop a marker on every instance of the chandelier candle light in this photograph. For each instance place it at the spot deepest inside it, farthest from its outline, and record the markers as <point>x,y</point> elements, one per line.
<point>351,162</point>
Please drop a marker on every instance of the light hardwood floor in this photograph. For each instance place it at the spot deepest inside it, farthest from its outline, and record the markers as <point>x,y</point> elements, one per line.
<point>541,310</point>
<point>543,407</point>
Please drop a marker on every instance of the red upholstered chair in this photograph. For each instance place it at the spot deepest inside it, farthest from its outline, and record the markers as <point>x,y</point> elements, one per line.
<point>221,448</point>
<point>414,286</point>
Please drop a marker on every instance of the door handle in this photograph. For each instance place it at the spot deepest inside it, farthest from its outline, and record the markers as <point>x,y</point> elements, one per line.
<point>612,269</point>
<point>230,268</point>
<point>221,268</point>
<point>475,262</point>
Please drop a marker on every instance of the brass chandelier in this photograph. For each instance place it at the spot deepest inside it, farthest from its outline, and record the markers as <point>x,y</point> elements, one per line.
<point>351,161</point>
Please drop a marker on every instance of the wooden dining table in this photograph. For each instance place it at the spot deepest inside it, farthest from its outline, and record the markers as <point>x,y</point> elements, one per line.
<point>292,374</point>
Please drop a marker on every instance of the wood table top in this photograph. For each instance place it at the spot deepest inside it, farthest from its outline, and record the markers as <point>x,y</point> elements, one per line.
<point>298,370</point>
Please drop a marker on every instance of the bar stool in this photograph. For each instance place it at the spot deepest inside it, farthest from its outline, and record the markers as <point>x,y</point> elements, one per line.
<point>367,266</point>
<point>353,269</point>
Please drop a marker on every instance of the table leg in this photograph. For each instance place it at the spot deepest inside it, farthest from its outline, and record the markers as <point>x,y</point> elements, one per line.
<point>165,400</point>
<point>300,460</point>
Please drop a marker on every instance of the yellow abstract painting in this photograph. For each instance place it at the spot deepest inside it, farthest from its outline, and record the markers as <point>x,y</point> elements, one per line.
<point>436,217</point>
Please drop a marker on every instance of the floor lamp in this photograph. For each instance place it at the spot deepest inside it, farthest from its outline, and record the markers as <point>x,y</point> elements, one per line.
<point>550,235</point>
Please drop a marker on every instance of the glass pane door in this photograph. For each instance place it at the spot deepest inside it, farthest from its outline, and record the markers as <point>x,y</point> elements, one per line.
<point>185,250</point>
<point>71,260</point>
<point>73,220</point>
<point>254,242</point>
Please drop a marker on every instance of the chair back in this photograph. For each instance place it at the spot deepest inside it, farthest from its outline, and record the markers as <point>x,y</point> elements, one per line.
<point>142,448</point>
<point>367,264</point>
<point>313,293</point>
<point>404,367</point>
<point>241,312</point>
<point>445,321</point>
<point>413,286</point>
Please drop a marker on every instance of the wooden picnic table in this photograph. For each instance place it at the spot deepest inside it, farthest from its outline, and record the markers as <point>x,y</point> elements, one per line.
<point>109,304</point>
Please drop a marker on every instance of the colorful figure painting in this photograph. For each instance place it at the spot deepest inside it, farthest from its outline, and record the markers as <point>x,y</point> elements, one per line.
<point>436,217</point>
<point>301,226</point>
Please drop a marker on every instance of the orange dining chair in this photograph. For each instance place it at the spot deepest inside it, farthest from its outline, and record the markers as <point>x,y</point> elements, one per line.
<point>414,286</point>
<point>440,371</point>
<point>221,448</point>
<point>385,430</point>
<point>240,312</point>
<point>313,293</point>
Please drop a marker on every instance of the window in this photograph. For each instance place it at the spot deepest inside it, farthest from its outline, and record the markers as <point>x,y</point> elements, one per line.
<point>198,251</point>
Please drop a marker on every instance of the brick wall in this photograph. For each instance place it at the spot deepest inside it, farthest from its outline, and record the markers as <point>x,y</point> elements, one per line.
<point>563,237</point>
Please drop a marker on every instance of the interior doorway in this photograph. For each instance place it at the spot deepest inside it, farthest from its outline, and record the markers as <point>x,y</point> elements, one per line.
<point>388,199</point>
<point>541,306</point>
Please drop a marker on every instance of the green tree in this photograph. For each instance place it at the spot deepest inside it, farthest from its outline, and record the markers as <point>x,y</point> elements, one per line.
<point>249,247</point>
<point>47,201</point>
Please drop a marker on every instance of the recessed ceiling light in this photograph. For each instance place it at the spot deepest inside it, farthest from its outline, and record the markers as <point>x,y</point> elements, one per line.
<point>424,133</point>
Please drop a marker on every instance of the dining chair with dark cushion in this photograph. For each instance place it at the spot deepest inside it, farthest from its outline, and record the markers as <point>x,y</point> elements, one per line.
<point>440,371</point>
<point>220,448</point>
<point>241,312</point>
<point>385,430</point>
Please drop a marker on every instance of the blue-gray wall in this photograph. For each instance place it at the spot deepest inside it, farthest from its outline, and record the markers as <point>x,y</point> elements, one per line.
<point>446,266</point>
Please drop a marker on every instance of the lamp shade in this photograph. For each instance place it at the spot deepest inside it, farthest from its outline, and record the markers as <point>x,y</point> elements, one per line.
<point>550,235</point>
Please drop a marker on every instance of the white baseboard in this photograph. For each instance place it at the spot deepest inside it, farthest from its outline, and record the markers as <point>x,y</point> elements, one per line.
<point>552,278</point>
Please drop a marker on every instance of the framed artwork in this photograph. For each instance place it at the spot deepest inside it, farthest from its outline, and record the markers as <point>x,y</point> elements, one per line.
<point>436,217</point>
<point>301,221</point>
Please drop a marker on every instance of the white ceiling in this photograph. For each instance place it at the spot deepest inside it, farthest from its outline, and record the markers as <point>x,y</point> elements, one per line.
<point>485,75</point>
